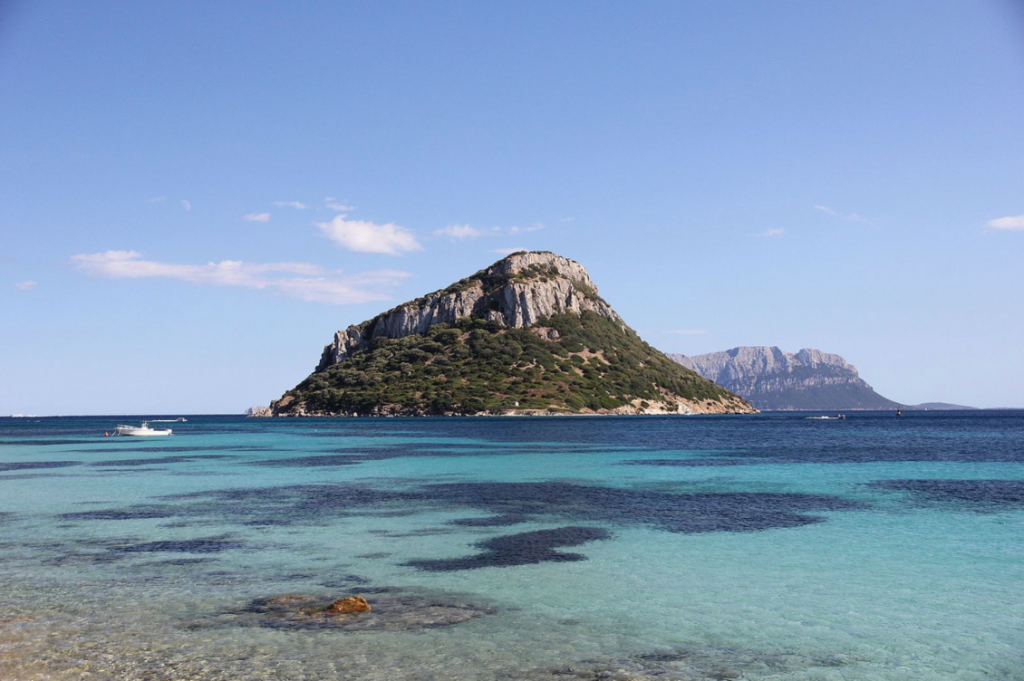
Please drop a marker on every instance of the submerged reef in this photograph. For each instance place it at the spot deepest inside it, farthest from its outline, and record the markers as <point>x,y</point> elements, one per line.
<point>386,608</point>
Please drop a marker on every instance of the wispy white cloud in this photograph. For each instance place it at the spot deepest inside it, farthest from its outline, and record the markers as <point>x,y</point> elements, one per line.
<point>687,332</point>
<point>297,205</point>
<point>772,232</point>
<point>187,205</point>
<point>1010,222</point>
<point>516,229</point>
<point>363,236</point>
<point>157,199</point>
<point>468,231</point>
<point>508,251</point>
<point>26,285</point>
<point>851,217</point>
<point>301,280</point>
<point>459,232</point>
<point>257,217</point>
<point>338,206</point>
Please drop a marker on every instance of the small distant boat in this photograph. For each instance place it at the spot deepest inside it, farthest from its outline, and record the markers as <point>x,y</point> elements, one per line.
<point>837,417</point>
<point>180,419</point>
<point>142,431</point>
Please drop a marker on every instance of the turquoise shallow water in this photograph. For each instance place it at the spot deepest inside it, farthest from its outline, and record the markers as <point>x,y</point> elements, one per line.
<point>763,547</point>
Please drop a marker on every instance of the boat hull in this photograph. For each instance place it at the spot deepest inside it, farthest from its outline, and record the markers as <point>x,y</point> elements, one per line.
<point>142,432</point>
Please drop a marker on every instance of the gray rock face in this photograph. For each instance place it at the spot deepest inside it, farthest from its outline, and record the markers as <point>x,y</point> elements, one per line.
<point>515,292</point>
<point>774,380</point>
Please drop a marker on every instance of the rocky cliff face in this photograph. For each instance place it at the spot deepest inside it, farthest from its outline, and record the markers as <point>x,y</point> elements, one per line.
<point>528,335</point>
<point>774,380</point>
<point>515,292</point>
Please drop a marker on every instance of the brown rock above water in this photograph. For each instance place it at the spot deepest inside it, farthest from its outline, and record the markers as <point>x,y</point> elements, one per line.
<point>351,605</point>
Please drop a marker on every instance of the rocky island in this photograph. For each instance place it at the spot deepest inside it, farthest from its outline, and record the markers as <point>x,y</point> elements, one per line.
<point>528,335</point>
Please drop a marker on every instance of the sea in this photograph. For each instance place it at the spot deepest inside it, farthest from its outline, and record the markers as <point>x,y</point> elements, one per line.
<point>774,546</point>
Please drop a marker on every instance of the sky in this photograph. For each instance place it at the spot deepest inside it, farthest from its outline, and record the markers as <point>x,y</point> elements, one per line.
<point>195,195</point>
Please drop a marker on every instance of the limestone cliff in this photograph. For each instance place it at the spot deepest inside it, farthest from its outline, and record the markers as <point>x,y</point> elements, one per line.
<point>515,292</point>
<point>774,380</point>
<point>528,335</point>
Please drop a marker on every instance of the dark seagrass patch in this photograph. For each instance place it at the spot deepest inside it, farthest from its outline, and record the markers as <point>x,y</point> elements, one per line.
<point>130,513</point>
<point>975,495</point>
<point>525,548</point>
<point>34,465</point>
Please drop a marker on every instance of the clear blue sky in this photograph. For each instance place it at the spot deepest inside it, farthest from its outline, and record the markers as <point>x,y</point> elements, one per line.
<point>194,196</point>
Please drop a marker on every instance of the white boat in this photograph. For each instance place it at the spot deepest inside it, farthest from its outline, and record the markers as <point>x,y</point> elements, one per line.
<point>141,431</point>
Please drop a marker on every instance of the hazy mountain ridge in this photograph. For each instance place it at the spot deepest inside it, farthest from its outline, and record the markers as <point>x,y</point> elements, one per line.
<point>530,334</point>
<point>775,380</point>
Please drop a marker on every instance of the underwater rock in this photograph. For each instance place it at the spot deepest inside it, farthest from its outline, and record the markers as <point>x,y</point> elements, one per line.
<point>287,599</point>
<point>350,605</point>
<point>390,609</point>
<point>693,663</point>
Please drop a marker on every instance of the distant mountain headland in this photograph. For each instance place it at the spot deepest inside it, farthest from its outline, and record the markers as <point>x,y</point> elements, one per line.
<point>940,406</point>
<point>775,380</point>
<point>528,335</point>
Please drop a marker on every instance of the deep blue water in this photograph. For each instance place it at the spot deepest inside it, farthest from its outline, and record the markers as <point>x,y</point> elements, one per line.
<point>758,547</point>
